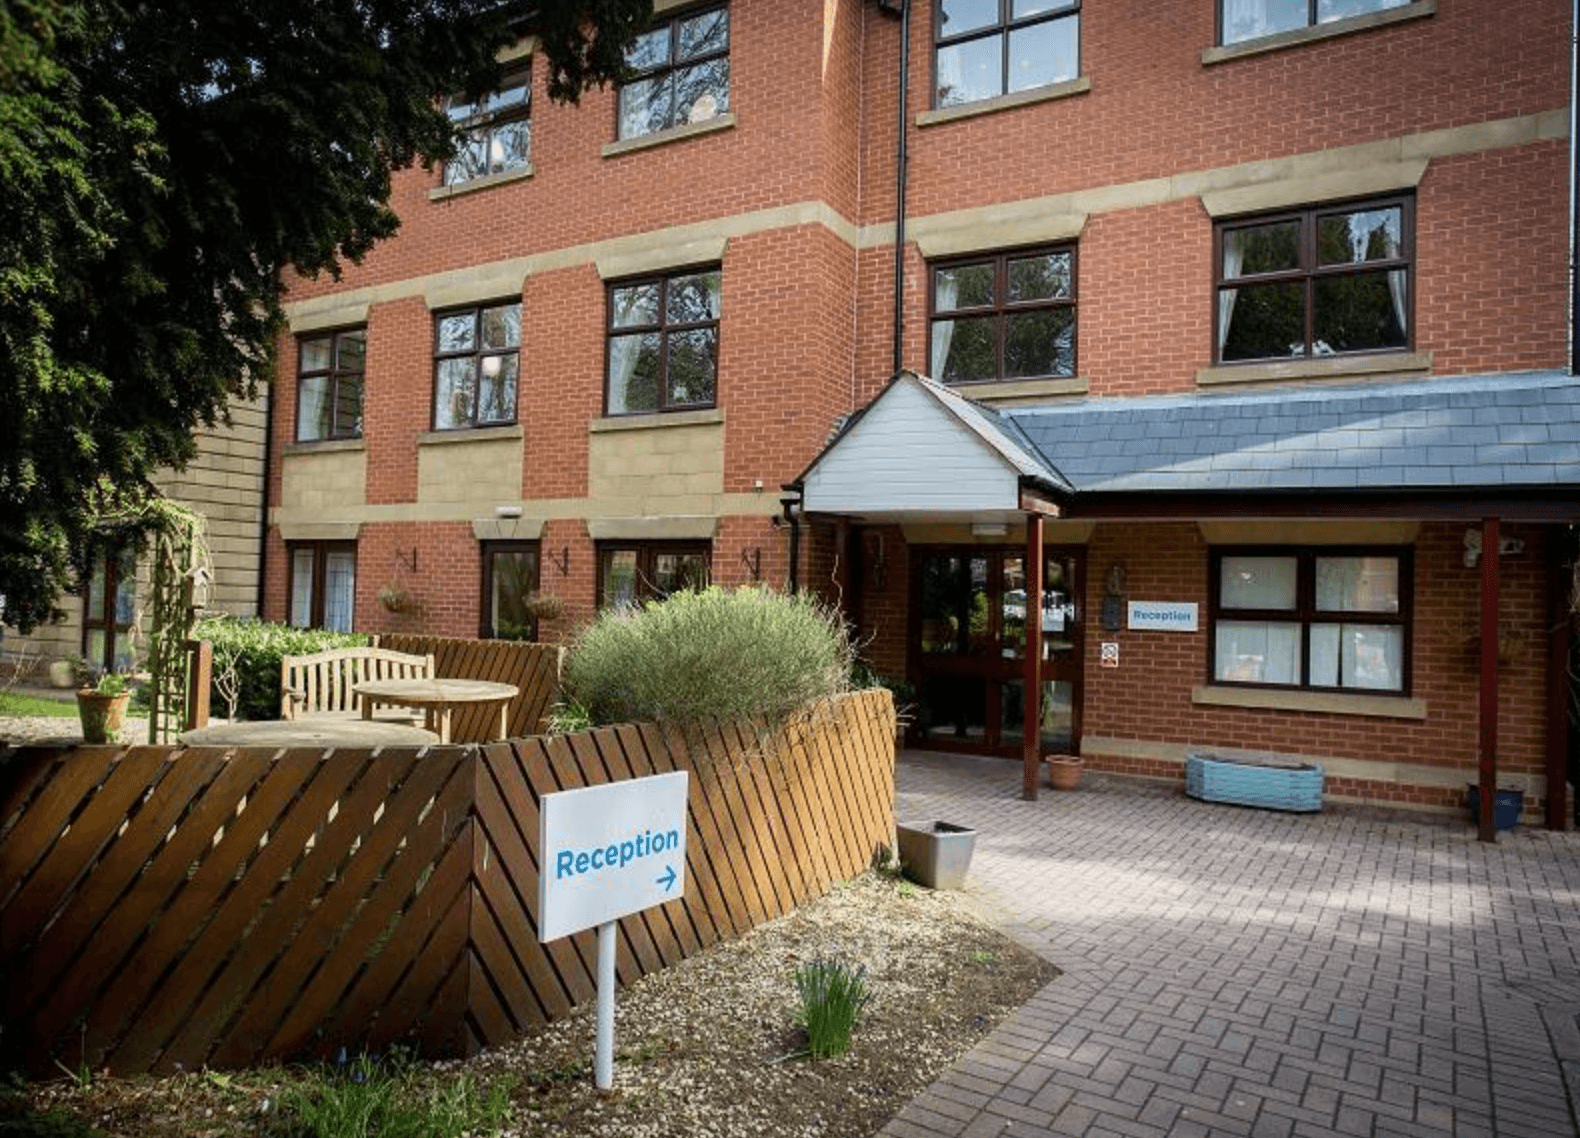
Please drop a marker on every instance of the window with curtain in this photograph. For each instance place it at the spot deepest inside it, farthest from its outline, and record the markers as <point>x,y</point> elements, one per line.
<point>323,586</point>
<point>510,579</point>
<point>987,48</point>
<point>109,607</point>
<point>329,385</point>
<point>679,74</point>
<point>1334,620</point>
<point>1003,316</point>
<point>1315,282</point>
<point>635,571</point>
<point>664,343</point>
<point>495,129</point>
<point>1241,20</point>
<point>476,362</point>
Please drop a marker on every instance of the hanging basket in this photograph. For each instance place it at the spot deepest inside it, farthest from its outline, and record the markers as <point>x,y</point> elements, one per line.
<point>544,606</point>
<point>396,598</point>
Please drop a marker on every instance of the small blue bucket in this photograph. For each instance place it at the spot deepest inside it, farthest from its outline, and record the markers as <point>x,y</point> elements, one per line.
<point>1506,807</point>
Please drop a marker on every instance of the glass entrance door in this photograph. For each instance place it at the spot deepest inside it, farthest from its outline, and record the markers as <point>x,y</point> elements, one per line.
<point>968,646</point>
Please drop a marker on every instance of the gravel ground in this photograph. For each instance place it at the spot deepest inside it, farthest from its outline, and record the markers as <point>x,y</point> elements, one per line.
<point>43,729</point>
<point>707,1049</point>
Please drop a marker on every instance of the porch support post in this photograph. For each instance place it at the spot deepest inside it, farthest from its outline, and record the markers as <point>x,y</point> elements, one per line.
<point>1558,619</point>
<point>1031,734</point>
<point>1487,828</point>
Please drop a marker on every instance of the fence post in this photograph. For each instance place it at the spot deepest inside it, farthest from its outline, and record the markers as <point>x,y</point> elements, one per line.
<point>201,673</point>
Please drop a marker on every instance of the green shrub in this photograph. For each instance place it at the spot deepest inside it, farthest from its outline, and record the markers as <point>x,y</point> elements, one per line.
<point>256,647</point>
<point>832,996</point>
<point>717,655</point>
<point>368,1097</point>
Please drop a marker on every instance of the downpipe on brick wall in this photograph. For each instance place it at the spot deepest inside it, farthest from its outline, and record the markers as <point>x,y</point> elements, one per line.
<point>1574,190</point>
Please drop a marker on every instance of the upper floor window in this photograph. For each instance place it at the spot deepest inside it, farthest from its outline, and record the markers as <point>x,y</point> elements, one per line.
<point>664,342</point>
<point>987,48</point>
<point>323,584</point>
<point>636,571</point>
<point>476,360</point>
<point>1009,316</point>
<point>510,582</point>
<point>680,73</point>
<point>1252,19</point>
<point>496,129</point>
<point>329,385</point>
<point>1315,282</point>
<point>1335,619</point>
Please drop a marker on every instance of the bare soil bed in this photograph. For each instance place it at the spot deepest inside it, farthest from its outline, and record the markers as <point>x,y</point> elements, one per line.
<point>707,1048</point>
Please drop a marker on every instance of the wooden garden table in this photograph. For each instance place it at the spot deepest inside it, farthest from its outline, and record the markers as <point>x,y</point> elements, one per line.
<point>311,732</point>
<point>438,698</point>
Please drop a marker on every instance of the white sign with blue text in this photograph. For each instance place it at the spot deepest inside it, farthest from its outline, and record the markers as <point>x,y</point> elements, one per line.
<point>1163,616</point>
<point>606,851</point>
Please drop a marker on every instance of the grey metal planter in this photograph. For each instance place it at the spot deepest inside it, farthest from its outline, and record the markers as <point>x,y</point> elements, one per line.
<point>936,854</point>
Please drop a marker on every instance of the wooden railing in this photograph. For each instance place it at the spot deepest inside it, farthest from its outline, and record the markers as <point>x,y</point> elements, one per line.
<point>534,668</point>
<point>221,907</point>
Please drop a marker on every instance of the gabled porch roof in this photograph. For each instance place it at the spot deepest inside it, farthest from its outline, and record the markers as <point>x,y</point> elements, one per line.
<point>1462,447</point>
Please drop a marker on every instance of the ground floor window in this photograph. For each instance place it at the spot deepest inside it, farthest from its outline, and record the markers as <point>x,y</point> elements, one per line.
<point>510,586</point>
<point>632,572</point>
<point>109,608</point>
<point>1334,619</point>
<point>323,584</point>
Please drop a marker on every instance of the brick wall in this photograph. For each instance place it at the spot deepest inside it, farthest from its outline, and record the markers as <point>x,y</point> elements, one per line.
<point>1169,562</point>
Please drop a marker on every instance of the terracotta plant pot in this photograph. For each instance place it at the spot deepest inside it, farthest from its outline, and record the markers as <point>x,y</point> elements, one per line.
<point>1064,771</point>
<point>101,715</point>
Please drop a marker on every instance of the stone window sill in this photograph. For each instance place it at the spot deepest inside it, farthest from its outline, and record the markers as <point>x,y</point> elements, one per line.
<point>1017,390</point>
<point>324,446</point>
<point>673,134</point>
<point>1329,703</point>
<point>1295,37</point>
<point>645,422</point>
<point>1413,364</point>
<point>486,182</point>
<point>470,435</point>
<point>1077,86</point>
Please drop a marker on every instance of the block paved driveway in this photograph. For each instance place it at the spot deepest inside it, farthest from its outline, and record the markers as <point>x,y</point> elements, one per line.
<point>1246,972</point>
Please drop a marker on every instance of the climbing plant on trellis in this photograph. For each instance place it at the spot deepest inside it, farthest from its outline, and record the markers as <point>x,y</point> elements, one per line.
<point>180,569</point>
<point>178,578</point>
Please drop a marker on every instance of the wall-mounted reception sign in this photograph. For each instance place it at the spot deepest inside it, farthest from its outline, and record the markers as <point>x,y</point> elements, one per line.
<point>610,850</point>
<point>1163,616</point>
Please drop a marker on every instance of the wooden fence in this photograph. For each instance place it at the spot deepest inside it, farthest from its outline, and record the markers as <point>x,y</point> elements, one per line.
<point>224,906</point>
<point>534,668</point>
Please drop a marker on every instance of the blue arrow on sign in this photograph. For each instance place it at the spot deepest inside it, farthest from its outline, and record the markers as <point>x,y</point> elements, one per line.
<point>668,880</point>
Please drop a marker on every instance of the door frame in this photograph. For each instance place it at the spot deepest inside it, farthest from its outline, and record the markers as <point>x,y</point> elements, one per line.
<point>993,668</point>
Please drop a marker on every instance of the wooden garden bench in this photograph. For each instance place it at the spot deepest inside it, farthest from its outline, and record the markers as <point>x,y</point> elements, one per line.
<point>321,684</point>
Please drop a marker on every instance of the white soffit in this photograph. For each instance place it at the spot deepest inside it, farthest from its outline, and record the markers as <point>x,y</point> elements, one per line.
<point>908,455</point>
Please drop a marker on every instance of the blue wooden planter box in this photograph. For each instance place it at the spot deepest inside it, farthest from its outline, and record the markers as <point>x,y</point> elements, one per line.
<point>1245,782</point>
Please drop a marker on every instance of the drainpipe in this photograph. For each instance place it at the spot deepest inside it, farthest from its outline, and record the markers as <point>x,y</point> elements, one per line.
<point>1574,191</point>
<point>902,160</point>
<point>263,505</point>
<point>793,520</point>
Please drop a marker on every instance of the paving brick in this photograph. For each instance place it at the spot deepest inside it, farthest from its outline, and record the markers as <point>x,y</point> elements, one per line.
<point>1240,972</point>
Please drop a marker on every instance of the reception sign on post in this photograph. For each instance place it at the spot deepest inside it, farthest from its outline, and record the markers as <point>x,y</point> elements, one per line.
<point>610,850</point>
<point>606,852</point>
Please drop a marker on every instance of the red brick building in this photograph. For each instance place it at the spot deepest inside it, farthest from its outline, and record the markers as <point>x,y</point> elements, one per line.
<point>1261,305</point>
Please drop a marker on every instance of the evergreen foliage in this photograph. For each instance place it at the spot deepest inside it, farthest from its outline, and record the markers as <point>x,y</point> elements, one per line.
<point>168,164</point>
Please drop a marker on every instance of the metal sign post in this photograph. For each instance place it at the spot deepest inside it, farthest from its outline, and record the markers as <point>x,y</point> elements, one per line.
<point>605,852</point>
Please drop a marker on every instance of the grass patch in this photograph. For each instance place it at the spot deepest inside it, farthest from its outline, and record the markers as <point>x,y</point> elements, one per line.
<point>14,705</point>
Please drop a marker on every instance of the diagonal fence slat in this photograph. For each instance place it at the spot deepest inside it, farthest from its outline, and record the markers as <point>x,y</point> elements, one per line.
<point>224,906</point>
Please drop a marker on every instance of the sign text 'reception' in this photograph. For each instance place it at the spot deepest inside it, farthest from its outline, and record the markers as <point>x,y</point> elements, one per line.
<point>615,855</point>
